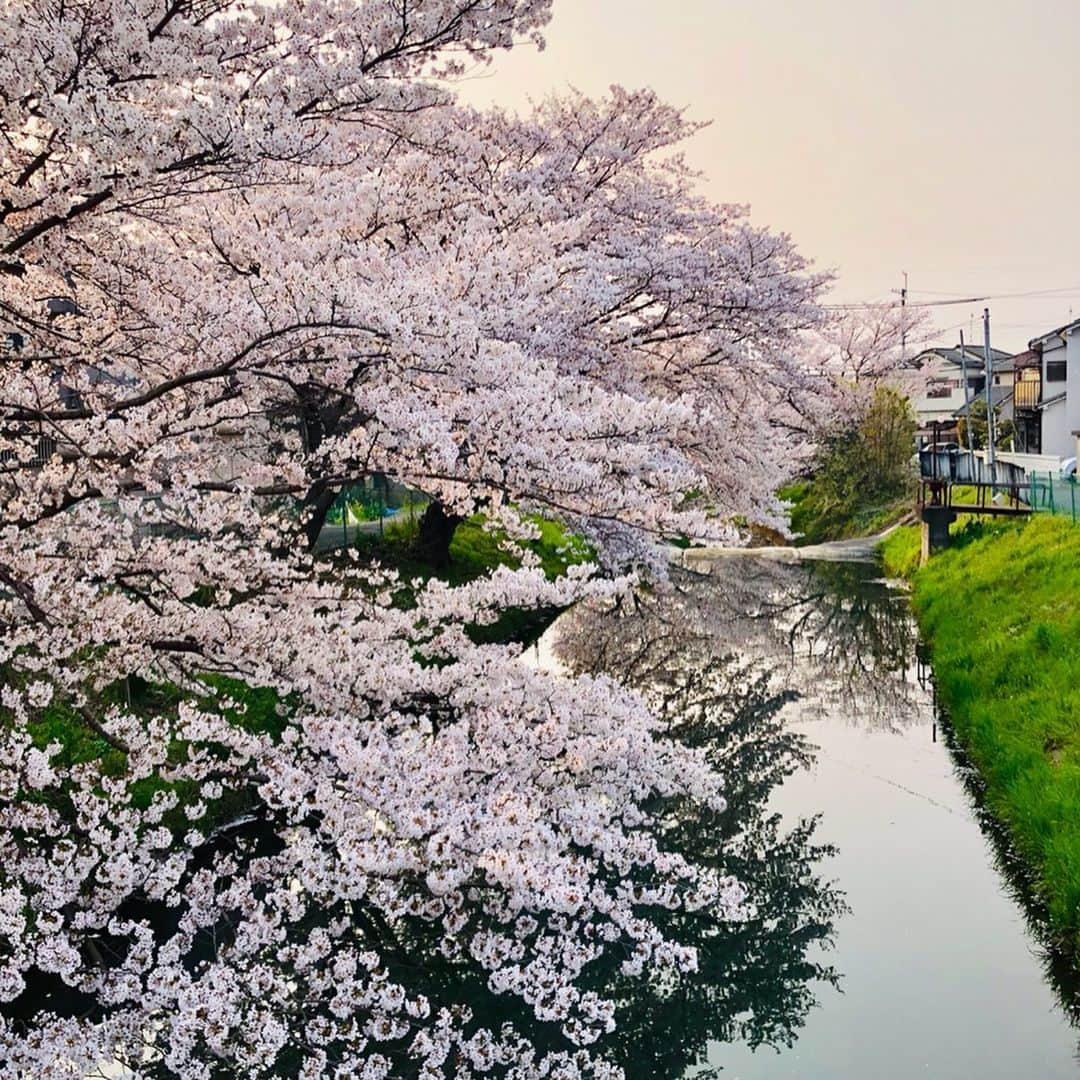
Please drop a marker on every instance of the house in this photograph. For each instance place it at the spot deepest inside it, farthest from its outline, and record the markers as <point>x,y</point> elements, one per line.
<point>1027,395</point>
<point>1048,405</point>
<point>942,372</point>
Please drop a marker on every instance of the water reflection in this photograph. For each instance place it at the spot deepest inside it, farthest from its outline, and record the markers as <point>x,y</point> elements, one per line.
<point>729,659</point>
<point>719,654</point>
<point>1058,965</point>
<point>758,980</point>
<point>831,632</point>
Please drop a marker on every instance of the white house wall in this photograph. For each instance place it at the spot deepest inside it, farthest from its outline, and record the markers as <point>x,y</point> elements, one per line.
<point>1057,437</point>
<point>1062,418</point>
<point>944,408</point>
<point>1072,385</point>
<point>930,408</point>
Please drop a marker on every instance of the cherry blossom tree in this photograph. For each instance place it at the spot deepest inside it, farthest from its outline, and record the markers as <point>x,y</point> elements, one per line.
<point>250,253</point>
<point>865,347</point>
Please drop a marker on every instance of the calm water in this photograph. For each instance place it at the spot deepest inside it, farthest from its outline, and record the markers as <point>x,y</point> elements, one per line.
<point>890,941</point>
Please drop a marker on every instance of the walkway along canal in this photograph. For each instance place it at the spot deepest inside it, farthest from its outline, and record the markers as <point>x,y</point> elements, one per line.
<point>888,940</point>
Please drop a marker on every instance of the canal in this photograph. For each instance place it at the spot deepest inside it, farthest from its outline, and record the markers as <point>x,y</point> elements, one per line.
<point>890,939</point>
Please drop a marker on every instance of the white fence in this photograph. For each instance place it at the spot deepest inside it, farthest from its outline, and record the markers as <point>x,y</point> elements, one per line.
<point>1031,463</point>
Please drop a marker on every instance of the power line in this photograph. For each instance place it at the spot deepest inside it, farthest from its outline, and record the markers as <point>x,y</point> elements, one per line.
<point>1035,292</point>
<point>1060,294</point>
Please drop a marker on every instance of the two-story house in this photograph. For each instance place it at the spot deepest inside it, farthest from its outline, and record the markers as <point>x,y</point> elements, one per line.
<point>943,371</point>
<point>1048,406</point>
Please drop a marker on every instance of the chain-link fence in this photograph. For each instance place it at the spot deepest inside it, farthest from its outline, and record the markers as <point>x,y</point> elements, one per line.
<point>1050,494</point>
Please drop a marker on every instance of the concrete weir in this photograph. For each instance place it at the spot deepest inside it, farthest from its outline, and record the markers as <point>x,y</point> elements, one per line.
<point>860,550</point>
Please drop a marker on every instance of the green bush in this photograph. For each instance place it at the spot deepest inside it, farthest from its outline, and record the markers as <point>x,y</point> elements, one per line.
<point>861,479</point>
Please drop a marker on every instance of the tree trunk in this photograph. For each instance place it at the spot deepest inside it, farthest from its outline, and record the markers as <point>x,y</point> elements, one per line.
<point>436,530</point>
<point>317,504</point>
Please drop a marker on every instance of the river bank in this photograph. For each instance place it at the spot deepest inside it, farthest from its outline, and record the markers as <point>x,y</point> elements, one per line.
<point>1000,614</point>
<point>850,823</point>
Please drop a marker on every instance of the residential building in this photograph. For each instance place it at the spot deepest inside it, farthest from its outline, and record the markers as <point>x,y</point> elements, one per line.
<point>1027,397</point>
<point>942,372</point>
<point>1054,415</point>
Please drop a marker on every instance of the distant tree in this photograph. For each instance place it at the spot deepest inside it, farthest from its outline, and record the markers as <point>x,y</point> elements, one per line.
<point>858,467</point>
<point>871,346</point>
<point>1004,429</point>
<point>886,437</point>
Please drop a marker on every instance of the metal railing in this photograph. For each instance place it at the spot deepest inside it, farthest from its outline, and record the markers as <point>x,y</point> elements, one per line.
<point>44,446</point>
<point>963,467</point>
<point>996,489</point>
<point>1020,490</point>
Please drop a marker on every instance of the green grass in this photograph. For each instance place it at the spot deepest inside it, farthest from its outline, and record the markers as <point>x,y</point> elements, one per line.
<point>1002,614</point>
<point>816,518</point>
<point>901,550</point>
<point>474,551</point>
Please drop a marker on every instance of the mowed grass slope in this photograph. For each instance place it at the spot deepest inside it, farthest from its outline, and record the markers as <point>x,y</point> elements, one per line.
<point>1002,614</point>
<point>901,551</point>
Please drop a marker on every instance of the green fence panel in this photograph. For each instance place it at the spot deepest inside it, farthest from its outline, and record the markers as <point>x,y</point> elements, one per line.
<point>1053,495</point>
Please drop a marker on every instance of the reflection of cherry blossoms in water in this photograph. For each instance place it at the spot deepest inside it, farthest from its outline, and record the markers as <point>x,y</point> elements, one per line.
<point>831,633</point>
<point>756,979</point>
<point>750,660</point>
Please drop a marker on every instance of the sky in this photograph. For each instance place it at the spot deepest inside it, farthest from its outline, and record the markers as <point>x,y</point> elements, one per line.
<point>936,137</point>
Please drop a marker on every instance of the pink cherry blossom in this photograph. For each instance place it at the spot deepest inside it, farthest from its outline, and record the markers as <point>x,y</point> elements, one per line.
<point>252,251</point>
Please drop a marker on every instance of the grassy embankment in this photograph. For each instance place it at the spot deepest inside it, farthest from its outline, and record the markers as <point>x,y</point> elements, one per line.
<point>816,516</point>
<point>1001,611</point>
<point>901,550</point>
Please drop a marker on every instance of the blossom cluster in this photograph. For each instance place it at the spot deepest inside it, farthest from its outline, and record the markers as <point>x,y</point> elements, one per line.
<point>257,814</point>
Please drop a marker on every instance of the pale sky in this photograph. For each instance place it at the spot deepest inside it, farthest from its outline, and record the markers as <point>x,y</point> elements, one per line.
<point>941,138</point>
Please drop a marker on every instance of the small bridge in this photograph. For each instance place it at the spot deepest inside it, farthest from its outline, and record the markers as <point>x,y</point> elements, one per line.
<point>953,481</point>
<point>969,484</point>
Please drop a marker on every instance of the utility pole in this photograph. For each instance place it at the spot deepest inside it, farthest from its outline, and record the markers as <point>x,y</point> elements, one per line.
<point>989,356</point>
<point>903,323</point>
<point>903,320</point>
<point>967,400</point>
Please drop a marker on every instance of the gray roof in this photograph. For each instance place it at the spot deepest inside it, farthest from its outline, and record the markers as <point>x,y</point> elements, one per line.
<point>1047,402</point>
<point>1057,332</point>
<point>998,395</point>
<point>1002,360</point>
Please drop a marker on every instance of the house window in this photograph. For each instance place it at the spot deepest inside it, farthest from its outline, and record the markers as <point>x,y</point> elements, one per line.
<point>939,390</point>
<point>1055,370</point>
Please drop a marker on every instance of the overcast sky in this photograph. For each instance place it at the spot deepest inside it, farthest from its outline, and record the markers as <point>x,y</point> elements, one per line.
<point>940,137</point>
